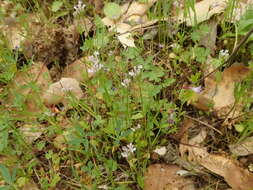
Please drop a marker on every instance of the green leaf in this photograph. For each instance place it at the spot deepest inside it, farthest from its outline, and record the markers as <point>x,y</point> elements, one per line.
<point>6,187</point>
<point>137,116</point>
<point>5,174</point>
<point>56,6</point>
<point>112,10</point>
<point>3,139</point>
<point>168,82</point>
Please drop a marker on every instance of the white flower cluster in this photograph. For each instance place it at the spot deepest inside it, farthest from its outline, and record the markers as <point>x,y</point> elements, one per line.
<point>128,150</point>
<point>135,71</point>
<point>132,73</point>
<point>136,128</point>
<point>79,8</point>
<point>96,65</point>
<point>224,53</point>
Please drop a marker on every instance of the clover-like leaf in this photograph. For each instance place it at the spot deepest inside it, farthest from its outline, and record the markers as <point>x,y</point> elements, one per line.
<point>112,11</point>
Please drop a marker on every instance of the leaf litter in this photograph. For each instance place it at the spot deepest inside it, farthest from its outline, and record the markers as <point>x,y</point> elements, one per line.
<point>217,95</point>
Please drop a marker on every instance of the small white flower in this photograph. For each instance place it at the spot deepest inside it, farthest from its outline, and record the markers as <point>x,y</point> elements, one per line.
<point>131,147</point>
<point>196,89</point>
<point>224,53</point>
<point>135,71</point>
<point>79,8</point>
<point>131,73</point>
<point>126,82</point>
<point>176,4</point>
<point>136,128</point>
<point>128,150</point>
<point>161,151</point>
<point>103,187</point>
<point>96,53</point>
<point>140,67</point>
<point>96,65</point>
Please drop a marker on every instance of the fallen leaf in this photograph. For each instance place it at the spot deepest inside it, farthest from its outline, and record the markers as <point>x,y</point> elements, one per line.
<point>77,70</point>
<point>221,94</point>
<point>243,148</point>
<point>203,10</point>
<point>240,9</point>
<point>83,25</point>
<point>82,69</point>
<point>209,40</point>
<point>235,176</point>
<point>132,14</point>
<point>59,91</point>
<point>31,132</point>
<point>125,37</point>
<point>164,177</point>
<point>161,151</point>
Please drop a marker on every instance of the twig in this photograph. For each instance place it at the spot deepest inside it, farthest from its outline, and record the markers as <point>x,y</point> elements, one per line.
<point>204,123</point>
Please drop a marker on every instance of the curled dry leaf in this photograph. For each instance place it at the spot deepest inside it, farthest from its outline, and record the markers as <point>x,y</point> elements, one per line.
<point>83,25</point>
<point>243,148</point>
<point>133,13</point>
<point>15,31</point>
<point>82,69</point>
<point>31,132</point>
<point>161,151</point>
<point>59,91</point>
<point>164,177</point>
<point>203,11</point>
<point>209,39</point>
<point>220,95</point>
<point>236,176</point>
<point>77,70</point>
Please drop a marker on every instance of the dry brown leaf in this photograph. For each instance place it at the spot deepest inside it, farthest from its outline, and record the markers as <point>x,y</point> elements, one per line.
<point>31,185</point>
<point>98,4</point>
<point>164,177</point>
<point>203,11</point>
<point>221,94</point>
<point>77,70</point>
<point>236,176</point>
<point>14,31</point>
<point>83,25</point>
<point>134,13</point>
<point>209,40</point>
<point>82,69</point>
<point>240,9</point>
<point>243,148</point>
<point>31,132</point>
<point>59,91</point>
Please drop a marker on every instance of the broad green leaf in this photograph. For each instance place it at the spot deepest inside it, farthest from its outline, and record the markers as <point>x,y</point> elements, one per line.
<point>137,116</point>
<point>6,187</point>
<point>112,11</point>
<point>56,6</point>
<point>3,139</point>
<point>5,174</point>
